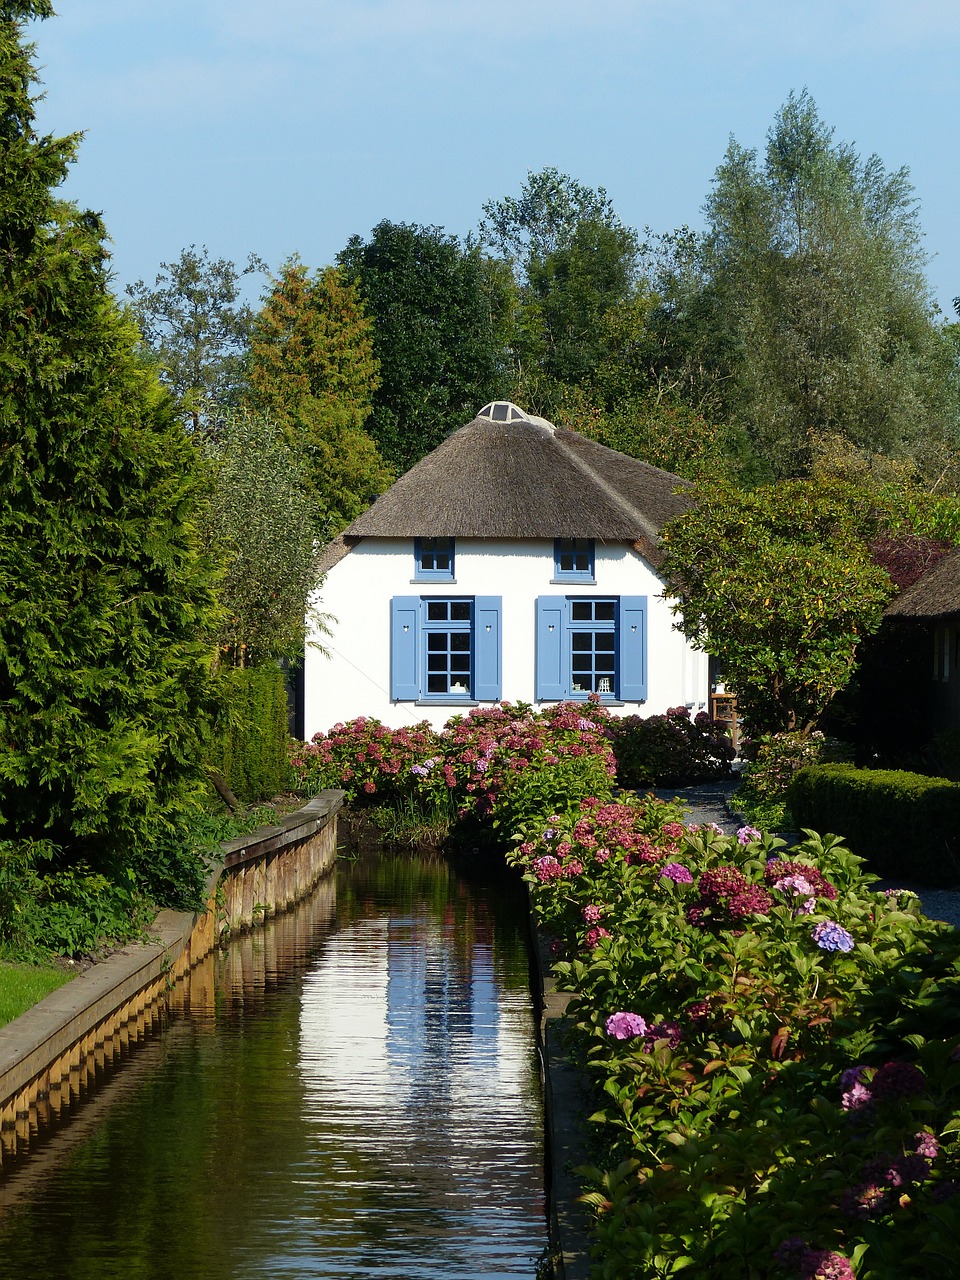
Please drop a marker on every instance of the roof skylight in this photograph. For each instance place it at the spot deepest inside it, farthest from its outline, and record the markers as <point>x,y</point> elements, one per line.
<point>502,411</point>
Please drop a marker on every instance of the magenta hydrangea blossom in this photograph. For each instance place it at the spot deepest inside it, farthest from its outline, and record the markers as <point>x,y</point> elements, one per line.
<point>927,1146</point>
<point>623,1025</point>
<point>592,914</point>
<point>546,868</point>
<point>747,835</point>
<point>896,1080</point>
<point>813,1264</point>
<point>856,1098</point>
<point>677,872</point>
<point>594,935</point>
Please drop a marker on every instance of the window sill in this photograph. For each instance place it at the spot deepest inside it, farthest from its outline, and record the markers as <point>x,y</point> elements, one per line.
<point>433,582</point>
<point>584,698</point>
<point>573,582</point>
<point>446,702</point>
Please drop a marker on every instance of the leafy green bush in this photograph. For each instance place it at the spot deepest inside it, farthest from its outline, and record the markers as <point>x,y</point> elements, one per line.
<point>905,824</point>
<point>47,908</point>
<point>775,1049</point>
<point>762,794</point>
<point>248,746</point>
<point>669,750</point>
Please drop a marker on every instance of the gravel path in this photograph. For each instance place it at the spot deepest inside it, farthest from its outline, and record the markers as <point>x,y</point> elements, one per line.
<point>710,802</point>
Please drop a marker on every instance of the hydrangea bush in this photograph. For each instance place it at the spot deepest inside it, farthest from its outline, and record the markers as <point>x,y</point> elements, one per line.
<point>774,1045</point>
<point>672,750</point>
<point>775,1048</point>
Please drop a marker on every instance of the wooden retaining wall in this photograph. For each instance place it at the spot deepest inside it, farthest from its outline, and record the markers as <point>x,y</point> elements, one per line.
<point>55,1053</point>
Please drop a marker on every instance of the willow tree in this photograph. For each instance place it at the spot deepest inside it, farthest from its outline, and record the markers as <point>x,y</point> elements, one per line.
<point>814,261</point>
<point>106,600</point>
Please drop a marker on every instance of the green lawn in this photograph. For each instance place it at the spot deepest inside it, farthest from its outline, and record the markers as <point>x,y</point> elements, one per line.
<point>23,985</point>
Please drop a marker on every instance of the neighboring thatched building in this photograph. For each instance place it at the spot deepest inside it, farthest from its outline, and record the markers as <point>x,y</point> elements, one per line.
<point>904,707</point>
<point>515,562</point>
<point>929,612</point>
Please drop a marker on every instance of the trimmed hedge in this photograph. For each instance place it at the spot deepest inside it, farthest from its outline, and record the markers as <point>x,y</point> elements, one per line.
<point>905,825</point>
<point>249,745</point>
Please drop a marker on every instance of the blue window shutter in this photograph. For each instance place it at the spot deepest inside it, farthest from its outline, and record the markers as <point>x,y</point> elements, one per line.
<point>551,677</point>
<point>487,684</point>
<point>405,648</point>
<point>633,648</point>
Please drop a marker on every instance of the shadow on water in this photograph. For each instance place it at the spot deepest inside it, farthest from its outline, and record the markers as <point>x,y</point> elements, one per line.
<point>353,1093</point>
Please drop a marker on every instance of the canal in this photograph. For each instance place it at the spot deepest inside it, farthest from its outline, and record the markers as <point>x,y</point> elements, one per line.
<point>353,1093</point>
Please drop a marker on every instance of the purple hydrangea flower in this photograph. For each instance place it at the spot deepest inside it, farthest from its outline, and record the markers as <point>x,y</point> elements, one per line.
<point>677,872</point>
<point>896,1080</point>
<point>927,1146</point>
<point>829,936</point>
<point>592,914</point>
<point>624,1025</point>
<point>856,1098</point>
<point>747,835</point>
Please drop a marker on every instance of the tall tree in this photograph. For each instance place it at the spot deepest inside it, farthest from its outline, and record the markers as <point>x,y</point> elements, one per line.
<point>440,310</point>
<point>106,602</point>
<point>575,260</point>
<point>313,368</point>
<point>259,520</point>
<point>197,327</point>
<point>814,257</point>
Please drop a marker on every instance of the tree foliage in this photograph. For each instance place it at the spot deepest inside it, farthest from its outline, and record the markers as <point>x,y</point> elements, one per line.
<point>313,369</point>
<point>198,330</point>
<point>814,262</point>
<point>574,260</point>
<point>106,604</point>
<point>439,310</point>
<point>779,584</point>
<point>259,521</point>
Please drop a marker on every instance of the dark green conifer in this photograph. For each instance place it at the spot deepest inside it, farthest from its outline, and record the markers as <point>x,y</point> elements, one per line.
<point>105,600</point>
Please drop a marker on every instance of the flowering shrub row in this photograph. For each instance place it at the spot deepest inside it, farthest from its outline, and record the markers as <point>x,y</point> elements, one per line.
<point>498,763</point>
<point>775,1046</point>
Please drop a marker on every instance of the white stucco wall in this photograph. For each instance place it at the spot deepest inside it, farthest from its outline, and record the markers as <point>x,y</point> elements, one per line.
<point>355,679</point>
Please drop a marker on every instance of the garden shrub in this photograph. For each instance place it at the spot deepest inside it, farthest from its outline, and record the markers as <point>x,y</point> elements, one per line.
<point>772,762</point>
<point>495,763</point>
<point>248,747</point>
<point>671,750</point>
<point>50,908</point>
<point>905,824</point>
<point>775,1049</point>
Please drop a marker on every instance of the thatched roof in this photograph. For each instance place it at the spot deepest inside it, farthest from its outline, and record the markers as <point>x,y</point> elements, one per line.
<point>523,479</point>
<point>935,595</point>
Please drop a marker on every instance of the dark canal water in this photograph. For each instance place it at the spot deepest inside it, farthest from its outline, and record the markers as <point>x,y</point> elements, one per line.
<point>353,1094</point>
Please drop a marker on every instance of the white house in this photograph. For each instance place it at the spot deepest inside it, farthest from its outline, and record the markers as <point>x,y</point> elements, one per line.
<point>516,562</point>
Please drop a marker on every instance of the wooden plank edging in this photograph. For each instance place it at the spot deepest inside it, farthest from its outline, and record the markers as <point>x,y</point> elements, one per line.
<point>116,1000</point>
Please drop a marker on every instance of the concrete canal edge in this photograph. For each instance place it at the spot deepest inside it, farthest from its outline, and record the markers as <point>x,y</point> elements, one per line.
<point>566,1107</point>
<point>51,1053</point>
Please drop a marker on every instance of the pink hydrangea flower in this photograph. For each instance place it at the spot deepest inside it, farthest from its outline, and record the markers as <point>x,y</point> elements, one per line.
<point>622,1026</point>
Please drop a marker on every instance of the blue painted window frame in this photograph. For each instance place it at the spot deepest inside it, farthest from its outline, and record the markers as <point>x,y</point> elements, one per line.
<point>554,627</point>
<point>426,553</point>
<point>410,626</point>
<point>582,552</point>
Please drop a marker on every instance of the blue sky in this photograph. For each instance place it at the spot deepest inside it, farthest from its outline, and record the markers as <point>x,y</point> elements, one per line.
<point>290,126</point>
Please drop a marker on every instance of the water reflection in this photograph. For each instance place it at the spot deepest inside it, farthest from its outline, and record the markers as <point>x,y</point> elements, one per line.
<point>355,1094</point>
